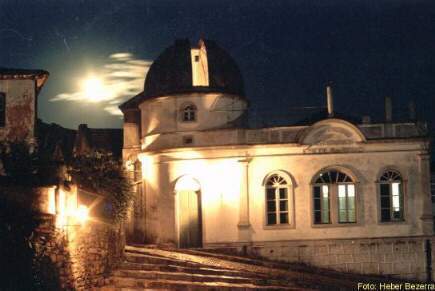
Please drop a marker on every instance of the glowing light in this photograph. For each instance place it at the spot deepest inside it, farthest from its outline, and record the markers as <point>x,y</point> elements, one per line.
<point>82,214</point>
<point>94,89</point>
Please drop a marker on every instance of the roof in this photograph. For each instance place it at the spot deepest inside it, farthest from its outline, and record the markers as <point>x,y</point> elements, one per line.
<point>12,73</point>
<point>171,73</point>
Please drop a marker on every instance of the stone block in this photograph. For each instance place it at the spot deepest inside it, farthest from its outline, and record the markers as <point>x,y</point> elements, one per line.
<point>385,268</point>
<point>354,267</point>
<point>321,250</point>
<point>335,249</point>
<point>370,268</point>
<point>361,258</point>
<point>342,259</point>
<point>400,246</point>
<point>401,268</point>
<point>385,248</point>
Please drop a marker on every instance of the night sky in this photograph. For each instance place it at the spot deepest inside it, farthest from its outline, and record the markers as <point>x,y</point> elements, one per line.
<point>287,52</point>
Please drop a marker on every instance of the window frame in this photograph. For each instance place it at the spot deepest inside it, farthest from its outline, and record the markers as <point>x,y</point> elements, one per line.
<point>402,198</point>
<point>192,111</point>
<point>289,186</point>
<point>334,206</point>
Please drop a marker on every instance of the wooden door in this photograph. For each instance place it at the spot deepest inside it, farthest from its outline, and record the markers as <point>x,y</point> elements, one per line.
<point>189,222</point>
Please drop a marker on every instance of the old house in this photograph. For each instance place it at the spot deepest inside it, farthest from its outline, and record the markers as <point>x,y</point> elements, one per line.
<point>352,196</point>
<point>19,89</point>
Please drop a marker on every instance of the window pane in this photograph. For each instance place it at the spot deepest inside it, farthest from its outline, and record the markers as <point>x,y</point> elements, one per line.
<point>397,214</point>
<point>317,204</point>
<point>395,187</point>
<point>270,193</point>
<point>283,218</point>
<point>325,191</point>
<point>342,203</point>
<point>385,190</point>
<point>351,190</point>
<point>396,203</point>
<point>271,206</point>
<point>271,218</point>
<point>283,205</point>
<point>351,203</point>
<point>317,217</point>
<point>325,217</point>
<point>333,175</point>
<point>385,215</point>
<point>283,193</point>
<point>341,191</point>
<point>351,216</point>
<point>316,192</point>
<point>385,202</point>
<point>342,216</point>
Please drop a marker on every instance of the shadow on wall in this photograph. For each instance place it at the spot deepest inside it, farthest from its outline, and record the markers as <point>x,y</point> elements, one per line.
<point>21,268</point>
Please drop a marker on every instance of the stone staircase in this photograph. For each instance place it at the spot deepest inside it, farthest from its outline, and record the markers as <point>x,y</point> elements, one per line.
<point>147,268</point>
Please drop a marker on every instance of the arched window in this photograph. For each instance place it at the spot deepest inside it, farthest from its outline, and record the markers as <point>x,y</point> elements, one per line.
<point>334,198</point>
<point>391,196</point>
<point>277,200</point>
<point>189,113</point>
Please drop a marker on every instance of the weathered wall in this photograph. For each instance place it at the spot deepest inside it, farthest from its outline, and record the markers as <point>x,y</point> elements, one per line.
<point>402,257</point>
<point>218,171</point>
<point>80,255</point>
<point>20,110</point>
<point>163,115</point>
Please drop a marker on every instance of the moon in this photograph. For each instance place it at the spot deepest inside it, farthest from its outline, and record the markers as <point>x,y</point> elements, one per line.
<point>94,89</point>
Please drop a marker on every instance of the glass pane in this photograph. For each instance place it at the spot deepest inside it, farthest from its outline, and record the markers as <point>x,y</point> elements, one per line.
<point>317,204</point>
<point>325,191</point>
<point>341,177</point>
<point>341,191</point>
<point>395,187</point>
<point>283,218</point>
<point>396,203</point>
<point>385,215</point>
<point>351,203</point>
<point>351,190</point>
<point>342,203</point>
<point>316,192</point>
<point>385,202</point>
<point>271,206</point>
<point>325,217</point>
<point>342,217</point>
<point>385,190</point>
<point>283,205</point>
<point>397,214</point>
<point>270,193</point>
<point>351,216</point>
<point>271,218</point>
<point>283,193</point>
<point>317,217</point>
<point>333,175</point>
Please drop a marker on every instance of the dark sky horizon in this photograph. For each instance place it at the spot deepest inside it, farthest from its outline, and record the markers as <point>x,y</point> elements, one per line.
<point>286,50</point>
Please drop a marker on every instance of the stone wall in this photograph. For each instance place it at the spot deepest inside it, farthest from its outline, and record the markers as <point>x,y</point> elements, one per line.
<point>79,255</point>
<point>400,257</point>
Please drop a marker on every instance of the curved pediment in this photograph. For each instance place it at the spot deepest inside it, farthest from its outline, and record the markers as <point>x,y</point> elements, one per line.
<point>332,132</point>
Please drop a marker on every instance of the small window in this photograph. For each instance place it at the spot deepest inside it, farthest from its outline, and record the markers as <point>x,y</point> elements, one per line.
<point>189,113</point>
<point>334,192</point>
<point>196,58</point>
<point>2,109</point>
<point>277,200</point>
<point>391,196</point>
<point>187,139</point>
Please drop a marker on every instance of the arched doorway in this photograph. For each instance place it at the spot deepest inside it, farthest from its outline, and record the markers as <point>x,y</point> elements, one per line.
<point>188,195</point>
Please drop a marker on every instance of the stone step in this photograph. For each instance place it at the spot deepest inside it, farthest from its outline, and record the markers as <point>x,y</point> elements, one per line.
<point>153,259</point>
<point>175,268</point>
<point>193,277</point>
<point>140,284</point>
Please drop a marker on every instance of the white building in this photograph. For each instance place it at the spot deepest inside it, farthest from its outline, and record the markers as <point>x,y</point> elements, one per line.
<point>353,197</point>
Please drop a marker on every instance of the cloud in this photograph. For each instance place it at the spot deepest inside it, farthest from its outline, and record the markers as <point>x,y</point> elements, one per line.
<point>122,77</point>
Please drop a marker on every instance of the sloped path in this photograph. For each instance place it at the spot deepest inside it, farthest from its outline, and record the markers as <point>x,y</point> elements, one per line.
<point>147,268</point>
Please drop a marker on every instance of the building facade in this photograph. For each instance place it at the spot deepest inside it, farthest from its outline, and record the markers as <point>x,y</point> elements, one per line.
<point>19,89</point>
<point>332,193</point>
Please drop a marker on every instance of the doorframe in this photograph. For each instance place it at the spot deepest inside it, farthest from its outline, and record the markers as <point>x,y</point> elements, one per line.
<point>177,210</point>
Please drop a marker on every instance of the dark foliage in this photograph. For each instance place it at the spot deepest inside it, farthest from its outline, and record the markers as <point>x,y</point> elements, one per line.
<point>102,173</point>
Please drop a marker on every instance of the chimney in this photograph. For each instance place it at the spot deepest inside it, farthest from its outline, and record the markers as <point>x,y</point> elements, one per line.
<point>330,101</point>
<point>388,109</point>
<point>412,111</point>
